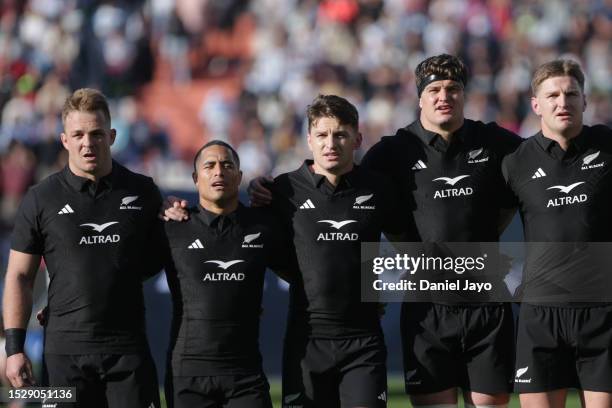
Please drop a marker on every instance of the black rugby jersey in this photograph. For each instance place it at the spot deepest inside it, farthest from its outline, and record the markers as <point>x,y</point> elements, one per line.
<point>454,191</point>
<point>327,225</point>
<point>99,241</point>
<point>563,196</point>
<point>216,273</point>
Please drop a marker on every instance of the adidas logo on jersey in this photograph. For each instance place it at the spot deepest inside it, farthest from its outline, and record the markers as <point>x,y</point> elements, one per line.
<point>561,201</point>
<point>99,239</point>
<point>67,209</point>
<point>126,201</point>
<point>453,192</point>
<point>539,173</point>
<point>357,205</point>
<point>246,241</point>
<point>338,236</point>
<point>308,205</point>
<point>473,154</point>
<point>519,374</point>
<point>197,244</point>
<point>586,161</point>
<point>419,165</point>
<point>383,396</point>
<point>224,276</point>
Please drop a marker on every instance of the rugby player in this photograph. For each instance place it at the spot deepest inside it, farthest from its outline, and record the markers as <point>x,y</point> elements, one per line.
<point>448,172</point>
<point>448,169</point>
<point>334,353</point>
<point>562,180</point>
<point>95,224</point>
<point>215,271</point>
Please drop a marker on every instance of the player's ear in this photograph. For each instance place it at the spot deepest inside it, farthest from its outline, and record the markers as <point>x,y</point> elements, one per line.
<point>194,177</point>
<point>239,177</point>
<point>358,140</point>
<point>309,141</point>
<point>64,139</point>
<point>113,135</point>
<point>535,106</point>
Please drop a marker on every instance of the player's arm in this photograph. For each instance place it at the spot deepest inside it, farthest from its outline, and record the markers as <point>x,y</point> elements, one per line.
<point>175,209</point>
<point>508,199</point>
<point>505,218</point>
<point>17,307</point>
<point>259,191</point>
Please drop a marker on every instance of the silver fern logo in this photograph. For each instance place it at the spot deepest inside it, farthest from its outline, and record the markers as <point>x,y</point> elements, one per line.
<point>590,158</point>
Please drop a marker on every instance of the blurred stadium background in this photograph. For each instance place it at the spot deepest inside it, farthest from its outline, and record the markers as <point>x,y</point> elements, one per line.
<point>181,72</point>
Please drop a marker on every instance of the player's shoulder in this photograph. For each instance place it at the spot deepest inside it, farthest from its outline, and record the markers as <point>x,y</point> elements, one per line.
<point>600,135</point>
<point>494,136</point>
<point>286,184</point>
<point>129,178</point>
<point>373,180</point>
<point>257,217</point>
<point>48,188</point>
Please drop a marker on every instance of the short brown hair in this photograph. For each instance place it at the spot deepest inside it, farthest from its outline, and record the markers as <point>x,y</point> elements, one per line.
<point>333,106</point>
<point>557,68</point>
<point>86,100</point>
<point>440,67</point>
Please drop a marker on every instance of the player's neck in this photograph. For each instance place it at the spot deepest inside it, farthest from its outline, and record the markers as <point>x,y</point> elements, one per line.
<point>220,208</point>
<point>94,176</point>
<point>332,177</point>
<point>562,138</point>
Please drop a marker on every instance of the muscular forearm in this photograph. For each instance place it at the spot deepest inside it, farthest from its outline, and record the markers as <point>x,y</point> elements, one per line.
<point>17,302</point>
<point>19,284</point>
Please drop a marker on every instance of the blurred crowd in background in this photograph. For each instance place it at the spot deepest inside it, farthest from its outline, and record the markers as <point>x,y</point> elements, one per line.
<point>181,72</point>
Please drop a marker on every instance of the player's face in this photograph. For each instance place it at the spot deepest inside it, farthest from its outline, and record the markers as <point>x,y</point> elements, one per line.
<point>560,103</point>
<point>332,145</point>
<point>217,176</point>
<point>88,138</point>
<point>441,104</point>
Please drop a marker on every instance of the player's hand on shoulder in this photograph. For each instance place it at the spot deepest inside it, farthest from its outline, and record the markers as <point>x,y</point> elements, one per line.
<point>175,209</point>
<point>259,194</point>
<point>19,370</point>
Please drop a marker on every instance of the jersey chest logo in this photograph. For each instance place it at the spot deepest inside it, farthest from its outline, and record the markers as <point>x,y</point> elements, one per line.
<point>126,203</point>
<point>250,241</point>
<point>364,203</point>
<point>567,199</point>
<point>337,236</point>
<point>452,192</point>
<point>99,238</point>
<point>588,161</point>
<point>475,156</point>
<point>224,276</point>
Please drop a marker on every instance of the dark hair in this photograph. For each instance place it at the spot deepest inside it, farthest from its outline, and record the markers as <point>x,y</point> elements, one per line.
<point>86,100</point>
<point>332,106</point>
<point>438,68</point>
<point>215,143</point>
<point>557,68</point>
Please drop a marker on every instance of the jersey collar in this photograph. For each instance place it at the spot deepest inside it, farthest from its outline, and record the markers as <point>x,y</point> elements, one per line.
<point>217,220</point>
<point>320,182</point>
<point>576,146</point>
<point>80,184</point>
<point>433,139</point>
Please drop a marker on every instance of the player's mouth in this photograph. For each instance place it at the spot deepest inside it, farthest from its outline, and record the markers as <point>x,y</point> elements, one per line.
<point>219,185</point>
<point>444,109</point>
<point>331,156</point>
<point>90,156</point>
<point>564,115</point>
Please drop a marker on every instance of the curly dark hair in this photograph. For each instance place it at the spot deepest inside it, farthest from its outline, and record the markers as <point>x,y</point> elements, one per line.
<point>439,67</point>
